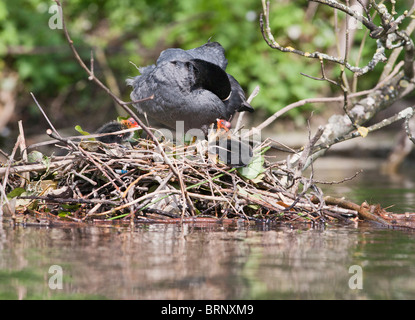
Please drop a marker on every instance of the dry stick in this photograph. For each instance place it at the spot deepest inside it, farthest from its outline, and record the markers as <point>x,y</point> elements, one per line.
<point>323,75</point>
<point>128,110</point>
<point>407,129</point>
<point>136,181</point>
<point>70,200</point>
<point>211,191</point>
<point>256,200</point>
<point>300,103</point>
<point>83,137</point>
<point>212,185</point>
<point>375,30</point>
<point>362,44</point>
<point>363,212</point>
<point>376,33</point>
<point>241,115</point>
<point>135,201</point>
<point>92,182</point>
<point>304,156</point>
<point>46,117</point>
<point>26,175</point>
<point>162,186</point>
<point>377,57</point>
<point>34,167</point>
<point>92,211</point>
<point>6,176</point>
<point>4,196</point>
<point>251,198</point>
<point>171,191</point>
<point>408,112</point>
<point>340,181</point>
<point>115,175</point>
<point>396,52</point>
<point>344,85</point>
<point>91,158</point>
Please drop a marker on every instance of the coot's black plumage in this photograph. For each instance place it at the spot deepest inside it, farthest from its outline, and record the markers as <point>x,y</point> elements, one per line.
<point>114,126</point>
<point>232,150</point>
<point>190,86</point>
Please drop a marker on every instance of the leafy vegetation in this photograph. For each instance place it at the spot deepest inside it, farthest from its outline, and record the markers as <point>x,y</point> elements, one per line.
<point>138,31</point>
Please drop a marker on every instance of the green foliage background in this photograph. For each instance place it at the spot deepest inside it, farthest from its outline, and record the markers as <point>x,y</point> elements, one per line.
<point>137,31</point>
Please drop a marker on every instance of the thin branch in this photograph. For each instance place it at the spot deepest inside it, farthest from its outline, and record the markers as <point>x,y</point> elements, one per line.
<point>23,151</point>
<point>241,114</point>
<point>300,103</point>
<point>379,55</point>
<point>45,116</point>
<point>407,129</point>
<point>408,112</point>
<point>339,182</point>
<point>304,156</point>
<point>124,106</point>
<point>374,29</point>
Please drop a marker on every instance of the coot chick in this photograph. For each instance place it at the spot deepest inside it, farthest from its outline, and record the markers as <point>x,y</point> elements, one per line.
<point>230,149</point>
<point>114,126</point>
<point>190,86</point>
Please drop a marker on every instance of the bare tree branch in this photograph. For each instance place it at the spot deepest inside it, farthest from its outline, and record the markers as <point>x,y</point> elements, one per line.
<point>390,88</point>
<point>379,55</point>
<point>128,110</point>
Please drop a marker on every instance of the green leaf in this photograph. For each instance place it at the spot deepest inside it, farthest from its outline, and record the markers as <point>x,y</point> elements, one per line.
<point>254,168</point>
<point>120,118</point>
<point>64,214</point>
<point>15,193</point>
<point>35,156</point>
<point>79,129</point>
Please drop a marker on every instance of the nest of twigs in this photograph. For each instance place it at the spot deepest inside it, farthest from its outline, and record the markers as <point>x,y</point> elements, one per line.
<point>136,183</point>
<point>164,182</point>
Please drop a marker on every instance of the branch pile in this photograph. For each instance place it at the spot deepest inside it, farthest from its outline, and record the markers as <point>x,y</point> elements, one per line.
<point>156,180</point>
<point>104,182</point>
<point>111,181</point>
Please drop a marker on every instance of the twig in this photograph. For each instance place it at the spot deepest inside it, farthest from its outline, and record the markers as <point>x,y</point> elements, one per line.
<point>241,114</point>
<point>33,167</point>
<point>26,175</point>
<point>70,200</point>
<point>6,176</point>
<point>90,157</point>
<point>407,129</point>
<point>75,138</point>
<point>45,116</point>
<point>408,112</point>
<point>84,178</point>
<point>124,106</point>
<point>338,182</point>
<point>3,198</point>
<point>378,56</point>
<point>301,164</point>
<point>300,103</point>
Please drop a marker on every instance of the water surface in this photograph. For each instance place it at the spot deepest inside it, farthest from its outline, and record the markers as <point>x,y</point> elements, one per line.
<point>219,261</point>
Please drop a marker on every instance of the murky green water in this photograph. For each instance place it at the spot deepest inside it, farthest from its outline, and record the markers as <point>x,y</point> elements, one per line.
<point>217,261</point>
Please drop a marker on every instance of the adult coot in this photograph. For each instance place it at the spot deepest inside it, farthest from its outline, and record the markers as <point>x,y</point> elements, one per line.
<point>190,86</point>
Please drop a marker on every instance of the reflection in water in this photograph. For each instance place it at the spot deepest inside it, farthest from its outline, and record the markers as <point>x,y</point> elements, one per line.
<point>205,262</point>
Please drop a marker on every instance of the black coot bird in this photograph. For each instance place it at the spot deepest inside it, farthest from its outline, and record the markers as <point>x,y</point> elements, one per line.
<point>190,86</point>
<point>231,150</point>
<point>114,126</point>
